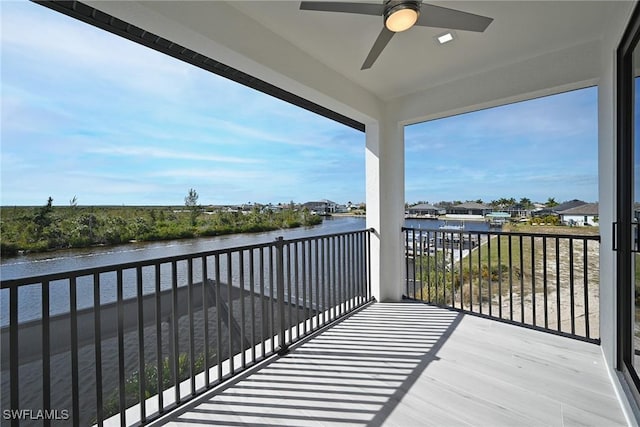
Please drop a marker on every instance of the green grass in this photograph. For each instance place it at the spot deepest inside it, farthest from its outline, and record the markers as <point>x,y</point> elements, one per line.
<point>111,405</point>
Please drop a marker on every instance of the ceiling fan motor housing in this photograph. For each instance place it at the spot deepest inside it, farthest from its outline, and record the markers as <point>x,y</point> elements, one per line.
<point>394,6</point>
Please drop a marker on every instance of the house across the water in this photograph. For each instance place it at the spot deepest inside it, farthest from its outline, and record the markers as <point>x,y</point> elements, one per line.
<point>584,215</point>
<point>425,210</point>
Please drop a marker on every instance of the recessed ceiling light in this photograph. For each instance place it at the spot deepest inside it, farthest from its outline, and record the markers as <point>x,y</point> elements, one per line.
<point>445,38</point>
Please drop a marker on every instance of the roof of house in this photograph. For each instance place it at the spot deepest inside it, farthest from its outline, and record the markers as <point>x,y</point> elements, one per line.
<point>424,207</point>
<point>585,209</point>
<point>568,205</point>
<point>471,205</point>
<point>319,203</point>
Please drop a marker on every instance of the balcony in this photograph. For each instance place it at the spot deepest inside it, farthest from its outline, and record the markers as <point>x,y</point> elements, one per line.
<point>291,55</point>
<point>286,332</point>
<point>409,364</point>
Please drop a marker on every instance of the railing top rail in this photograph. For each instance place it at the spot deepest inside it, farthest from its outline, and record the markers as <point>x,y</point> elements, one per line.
<point>595,237</point>
<point>325,236</point>
<point>30,280</point>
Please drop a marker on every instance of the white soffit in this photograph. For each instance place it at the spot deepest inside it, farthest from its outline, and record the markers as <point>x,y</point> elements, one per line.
<point>412,62</point>
<point>318,55</point>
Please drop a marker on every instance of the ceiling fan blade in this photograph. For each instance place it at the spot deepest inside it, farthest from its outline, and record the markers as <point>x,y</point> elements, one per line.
<point>347,7</point>
<point>381,42</point>
<point>442,17</point>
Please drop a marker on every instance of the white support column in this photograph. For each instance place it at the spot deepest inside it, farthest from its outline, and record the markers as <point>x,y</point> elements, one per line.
<point>606,207</point>
<point>607,134</point>
<point>385,208</point>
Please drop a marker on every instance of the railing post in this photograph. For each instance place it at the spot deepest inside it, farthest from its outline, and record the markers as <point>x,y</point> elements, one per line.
<point>14,355</point>
<point>284,348</point>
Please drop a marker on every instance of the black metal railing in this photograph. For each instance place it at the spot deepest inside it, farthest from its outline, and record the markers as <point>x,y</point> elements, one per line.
<point>133,341</point>
<point>544,281</point>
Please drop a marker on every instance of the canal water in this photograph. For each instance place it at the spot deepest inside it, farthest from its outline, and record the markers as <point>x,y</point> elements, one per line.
<point>85,258</point>
<point>76,259</point>
<point>29,297</point>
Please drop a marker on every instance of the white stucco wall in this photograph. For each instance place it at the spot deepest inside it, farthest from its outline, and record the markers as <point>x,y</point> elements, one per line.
<point>606,193</point>
<point>579,220</point>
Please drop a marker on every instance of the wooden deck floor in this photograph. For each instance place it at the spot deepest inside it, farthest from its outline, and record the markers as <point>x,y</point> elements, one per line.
<point>409,364</point>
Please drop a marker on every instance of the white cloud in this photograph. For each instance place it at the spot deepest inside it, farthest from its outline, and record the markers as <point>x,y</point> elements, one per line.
<point>146,152</point>
<point>112,122</point>
<point>63,45</point>
<point>207,174</point>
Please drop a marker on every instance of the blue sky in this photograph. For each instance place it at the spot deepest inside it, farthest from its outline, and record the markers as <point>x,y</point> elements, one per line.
<point>88,114</point>
<point>546,147</point>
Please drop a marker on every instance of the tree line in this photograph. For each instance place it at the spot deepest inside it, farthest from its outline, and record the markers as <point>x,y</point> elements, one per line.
<point>501,203</point>
<point>49,227</point>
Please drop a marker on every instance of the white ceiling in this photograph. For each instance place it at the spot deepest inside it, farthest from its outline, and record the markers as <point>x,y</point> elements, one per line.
<point>531,48</point>
<point>413,61</point>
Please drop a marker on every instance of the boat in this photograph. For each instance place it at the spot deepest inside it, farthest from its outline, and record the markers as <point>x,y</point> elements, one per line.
<point>498,219</point>
<point>447,226</point>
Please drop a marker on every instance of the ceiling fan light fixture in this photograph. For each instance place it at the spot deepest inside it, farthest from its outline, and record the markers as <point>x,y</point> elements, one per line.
<point>402,16</point>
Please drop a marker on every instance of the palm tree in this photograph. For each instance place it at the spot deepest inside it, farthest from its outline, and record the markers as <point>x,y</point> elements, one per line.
<point>526,203</point>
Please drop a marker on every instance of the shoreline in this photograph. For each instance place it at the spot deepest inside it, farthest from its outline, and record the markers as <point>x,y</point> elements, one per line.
<point>23,252</point>
<point>52,228</point>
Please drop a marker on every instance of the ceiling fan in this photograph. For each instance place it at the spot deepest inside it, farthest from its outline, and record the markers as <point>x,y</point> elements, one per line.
<point>400,15</point>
